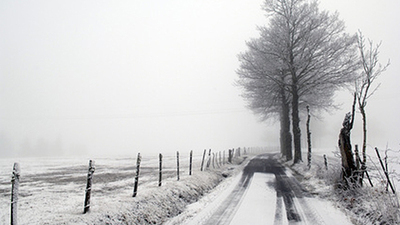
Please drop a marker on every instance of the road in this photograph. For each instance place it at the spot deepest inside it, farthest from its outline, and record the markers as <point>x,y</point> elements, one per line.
<point>267,194</point>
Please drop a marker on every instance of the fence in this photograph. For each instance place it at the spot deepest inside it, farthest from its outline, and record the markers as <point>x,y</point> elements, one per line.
<point>210,161</point>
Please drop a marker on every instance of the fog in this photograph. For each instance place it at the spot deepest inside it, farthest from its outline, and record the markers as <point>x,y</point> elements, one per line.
<point>116,78</point>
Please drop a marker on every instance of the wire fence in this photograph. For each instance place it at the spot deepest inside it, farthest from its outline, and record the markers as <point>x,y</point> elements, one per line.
<point>109,176</point>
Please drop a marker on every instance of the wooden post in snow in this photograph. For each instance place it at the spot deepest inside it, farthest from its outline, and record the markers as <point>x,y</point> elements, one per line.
<point>325,162</point>
<point>386,172</point>
<point>220,160</point>
<point>190,162</point>
<point>209,159</point>
<point>160,170</point>
<point>88,190</point>
<point>308,138</point>
<point>14,193</point>
<point>177,165</point>
<point>213,159</point>
<point>202,161</point>
<point>138,160</point>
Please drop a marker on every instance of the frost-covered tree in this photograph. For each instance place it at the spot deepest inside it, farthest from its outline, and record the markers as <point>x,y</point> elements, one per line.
<point>313,48</point>
<point>371,69</point>
<point>301,58</point>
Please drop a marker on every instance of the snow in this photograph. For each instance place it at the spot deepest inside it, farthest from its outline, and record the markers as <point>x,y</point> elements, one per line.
<point>200,211</point>
<point>52,189</point>
<point>365,205</point>
<point>259,203</point>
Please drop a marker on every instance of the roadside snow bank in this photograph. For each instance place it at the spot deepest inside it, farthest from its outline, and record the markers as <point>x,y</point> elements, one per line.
<point>364,205</point>
<point>199,211</point>
<point>156,205</point>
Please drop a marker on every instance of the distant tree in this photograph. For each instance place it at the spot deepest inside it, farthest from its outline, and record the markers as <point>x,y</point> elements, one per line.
<point>371,69</point>
<point>312,47</point>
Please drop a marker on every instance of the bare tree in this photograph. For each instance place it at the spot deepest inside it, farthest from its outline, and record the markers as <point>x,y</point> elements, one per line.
<point>302,57</point>
<point>371,69</point>
<point>313,48</point>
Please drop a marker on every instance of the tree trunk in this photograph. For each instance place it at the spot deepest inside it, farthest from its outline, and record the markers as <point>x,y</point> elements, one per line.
<point>296,124</point>
<point>285,135</point>
<point>364,147</point>
<point>348,165</point>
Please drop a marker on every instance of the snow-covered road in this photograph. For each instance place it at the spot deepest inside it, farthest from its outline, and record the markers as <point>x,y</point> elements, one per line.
<point>268,194</point>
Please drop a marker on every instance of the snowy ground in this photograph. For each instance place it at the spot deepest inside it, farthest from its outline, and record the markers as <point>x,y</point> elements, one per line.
<point>262,194</point>
<point>52,190</point>
<point>365,205</point>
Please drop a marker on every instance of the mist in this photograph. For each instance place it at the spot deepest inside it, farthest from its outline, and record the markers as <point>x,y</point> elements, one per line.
<point>116,78</point>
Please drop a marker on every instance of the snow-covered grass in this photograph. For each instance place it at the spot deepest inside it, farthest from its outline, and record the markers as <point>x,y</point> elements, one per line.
<point>52,189</point>
<point>364,205</point>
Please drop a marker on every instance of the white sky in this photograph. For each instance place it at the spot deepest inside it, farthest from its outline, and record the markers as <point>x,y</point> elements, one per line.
<point>119,77</point>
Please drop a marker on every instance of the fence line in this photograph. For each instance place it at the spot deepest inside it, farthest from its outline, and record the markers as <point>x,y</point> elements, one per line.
<point>212,159</point>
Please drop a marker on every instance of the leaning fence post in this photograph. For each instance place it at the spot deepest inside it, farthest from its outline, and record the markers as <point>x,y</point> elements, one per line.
<point>14,193</point>
<point>202,161</point>
<point>138,160</point>
<point>177,164</point>
<point>88,187</point>
<point>190,162</point>
<point>160,171</point>
<point>386,172</point>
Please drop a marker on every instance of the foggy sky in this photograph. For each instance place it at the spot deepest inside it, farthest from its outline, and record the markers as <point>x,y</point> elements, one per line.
<point>117,78</point>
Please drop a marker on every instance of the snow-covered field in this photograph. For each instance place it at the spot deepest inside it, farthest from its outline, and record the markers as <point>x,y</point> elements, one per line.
<point>52,190</point>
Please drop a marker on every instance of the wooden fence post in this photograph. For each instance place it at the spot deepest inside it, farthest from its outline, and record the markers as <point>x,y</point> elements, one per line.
<point>88,190</point>
<point>386,172</point>
<point>177,164</point>
<point>202,161</point>
<point>223,157</point>
<point>213,159</point>
<point>160,171</point>
<point>14,193</point>
<point>190,162</point>
<point>209,159</point>
<point>325,162</point>
<point>138,160</point>
<point>220,160</point>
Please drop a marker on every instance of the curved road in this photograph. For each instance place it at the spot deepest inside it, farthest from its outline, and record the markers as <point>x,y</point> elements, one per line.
<point>266,194</point>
